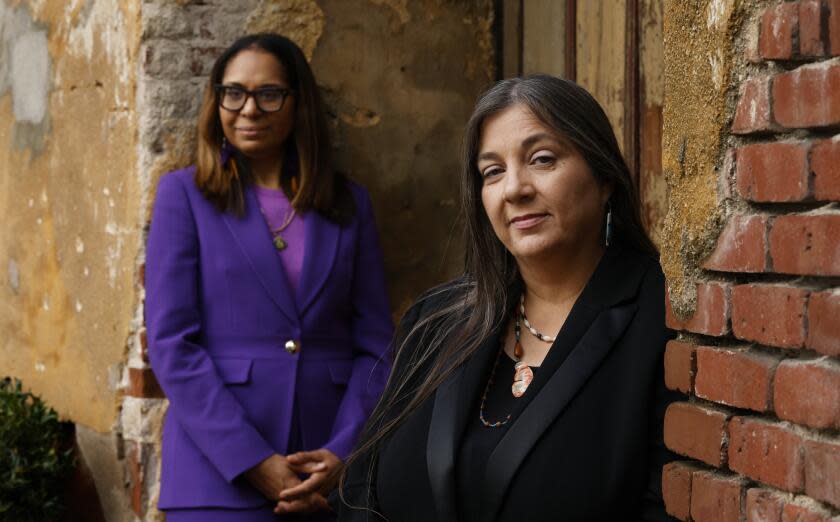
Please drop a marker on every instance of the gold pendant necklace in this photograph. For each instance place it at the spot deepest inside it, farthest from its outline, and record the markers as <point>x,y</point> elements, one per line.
<point>279,242</point>
<point>276,233</point>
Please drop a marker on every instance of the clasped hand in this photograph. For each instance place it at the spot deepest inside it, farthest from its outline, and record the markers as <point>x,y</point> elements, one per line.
<point>278,478</point>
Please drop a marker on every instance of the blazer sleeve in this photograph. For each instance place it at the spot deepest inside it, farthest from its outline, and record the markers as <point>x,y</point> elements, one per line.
<point>372,331</point>
<point>199,401</point>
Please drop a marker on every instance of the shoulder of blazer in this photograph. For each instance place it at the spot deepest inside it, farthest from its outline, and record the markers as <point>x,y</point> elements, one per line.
<point>426,304</point>
<point>359,192</point>
<point>653,281</point>
<point>625,276</point>
<point>650,300</point>
<point>362,204</point>
<point>433,299</point>
<point>643,281</point>
<point>180,181</point>
<point>186,176</point>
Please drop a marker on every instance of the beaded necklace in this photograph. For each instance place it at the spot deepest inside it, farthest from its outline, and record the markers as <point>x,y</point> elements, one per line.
<point>484,421</point>
<point>522,377</point>
<point>536,333</point>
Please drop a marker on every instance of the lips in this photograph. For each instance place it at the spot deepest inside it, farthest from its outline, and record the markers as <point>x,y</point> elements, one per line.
<point>250,131</point>
<point>527,221</point>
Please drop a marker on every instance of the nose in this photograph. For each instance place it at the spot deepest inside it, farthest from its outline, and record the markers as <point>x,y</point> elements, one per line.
<point>518,183</point>
<point>250,108</point>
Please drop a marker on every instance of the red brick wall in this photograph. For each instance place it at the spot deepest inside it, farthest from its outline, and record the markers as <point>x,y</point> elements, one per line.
<point>759,361</point>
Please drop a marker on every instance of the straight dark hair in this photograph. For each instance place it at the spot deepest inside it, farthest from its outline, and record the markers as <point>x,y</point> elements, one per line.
<point>320,189</point>
<point>479,301</point>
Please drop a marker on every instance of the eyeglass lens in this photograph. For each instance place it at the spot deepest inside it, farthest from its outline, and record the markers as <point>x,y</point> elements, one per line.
<point>268,99</point>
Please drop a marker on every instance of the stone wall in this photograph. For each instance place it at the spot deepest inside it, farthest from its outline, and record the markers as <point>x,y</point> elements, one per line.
<point>759,356</point>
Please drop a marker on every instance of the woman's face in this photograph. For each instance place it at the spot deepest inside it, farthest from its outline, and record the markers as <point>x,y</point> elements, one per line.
<point>539,193</point>
<point>255,133</point>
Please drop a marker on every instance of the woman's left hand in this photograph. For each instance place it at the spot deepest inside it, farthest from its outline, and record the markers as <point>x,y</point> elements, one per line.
<point>323,468</point>
<point>312,503</point>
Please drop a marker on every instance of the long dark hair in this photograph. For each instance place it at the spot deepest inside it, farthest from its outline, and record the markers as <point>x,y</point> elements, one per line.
<point>478,302</point>
<point>321,188</point>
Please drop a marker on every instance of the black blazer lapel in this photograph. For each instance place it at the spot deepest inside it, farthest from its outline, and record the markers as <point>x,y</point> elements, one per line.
<point>453,401</point>
<point>319,255</point>
<point>251,235</point>
<point>550,402</point>
<point>440,447</point>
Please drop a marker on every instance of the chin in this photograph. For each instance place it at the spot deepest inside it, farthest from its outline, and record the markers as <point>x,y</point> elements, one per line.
<point>528,249</point>
<point>253,149</point>
<point>536,247</point>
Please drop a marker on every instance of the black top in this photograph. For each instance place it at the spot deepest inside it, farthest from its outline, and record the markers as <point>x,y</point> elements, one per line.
<point>585,443</point>
<point>479,440</point>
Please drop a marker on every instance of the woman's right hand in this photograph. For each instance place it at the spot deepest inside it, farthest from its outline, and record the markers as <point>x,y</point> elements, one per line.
<point>272,476</point>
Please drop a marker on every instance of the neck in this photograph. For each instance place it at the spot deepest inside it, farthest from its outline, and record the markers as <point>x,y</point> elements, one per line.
<point>557,279</point>
<point>267,171</point>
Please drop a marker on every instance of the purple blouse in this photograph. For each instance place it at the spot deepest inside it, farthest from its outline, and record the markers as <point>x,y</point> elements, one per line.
<point>276,208</point>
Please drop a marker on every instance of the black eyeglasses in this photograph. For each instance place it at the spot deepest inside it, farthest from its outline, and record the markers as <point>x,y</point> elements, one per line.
<point>268,99</point>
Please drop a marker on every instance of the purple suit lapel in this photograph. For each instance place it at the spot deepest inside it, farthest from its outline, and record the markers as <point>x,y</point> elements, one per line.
<point>322,238</point>
<point>251,234</point>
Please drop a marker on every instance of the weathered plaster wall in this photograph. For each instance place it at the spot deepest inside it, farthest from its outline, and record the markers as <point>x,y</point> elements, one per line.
<point>68,200</point>
<point>698,61</point>
<point>401,79</point>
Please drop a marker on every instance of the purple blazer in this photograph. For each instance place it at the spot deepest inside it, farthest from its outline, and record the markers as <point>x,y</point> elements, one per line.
<point>219,313</point>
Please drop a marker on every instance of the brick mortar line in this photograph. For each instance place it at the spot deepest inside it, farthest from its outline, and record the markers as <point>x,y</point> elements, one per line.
<point>791,208</point>
<point>732,342</point>
<point>811,283</point>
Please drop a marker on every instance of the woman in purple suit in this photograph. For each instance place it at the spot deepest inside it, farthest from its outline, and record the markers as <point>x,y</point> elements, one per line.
<point>266,306</point>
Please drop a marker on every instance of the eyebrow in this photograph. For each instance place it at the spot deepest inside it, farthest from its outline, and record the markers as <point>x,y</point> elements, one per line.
<point>527,142</point>
<point>263,86</point>
<point>534,138</point>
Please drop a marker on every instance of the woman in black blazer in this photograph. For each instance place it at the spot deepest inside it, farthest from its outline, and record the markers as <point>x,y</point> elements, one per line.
<point>531,388</point>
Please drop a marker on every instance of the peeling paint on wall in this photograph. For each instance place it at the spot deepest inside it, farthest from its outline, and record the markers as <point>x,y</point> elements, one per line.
<point>30,77</point>
<point>14,276</point>
<point>25,71</point>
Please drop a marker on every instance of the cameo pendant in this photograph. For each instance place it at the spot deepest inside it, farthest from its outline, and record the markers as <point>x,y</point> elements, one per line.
<point>522,378</point>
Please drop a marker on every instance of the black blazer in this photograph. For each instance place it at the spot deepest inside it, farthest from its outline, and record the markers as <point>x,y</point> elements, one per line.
<point>587,447</point>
